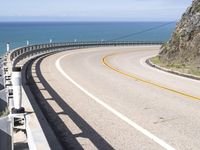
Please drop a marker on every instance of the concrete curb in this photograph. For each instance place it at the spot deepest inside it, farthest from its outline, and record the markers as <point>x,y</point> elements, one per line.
<point>150,63</point>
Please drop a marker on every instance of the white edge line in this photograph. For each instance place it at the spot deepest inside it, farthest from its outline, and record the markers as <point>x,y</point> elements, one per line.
<point>116,113</point>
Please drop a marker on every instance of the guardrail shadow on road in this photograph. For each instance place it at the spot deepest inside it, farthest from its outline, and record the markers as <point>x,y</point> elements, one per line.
<point>67,139</point>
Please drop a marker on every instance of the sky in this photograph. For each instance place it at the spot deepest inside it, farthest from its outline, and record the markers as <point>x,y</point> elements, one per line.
<point>92,10</point>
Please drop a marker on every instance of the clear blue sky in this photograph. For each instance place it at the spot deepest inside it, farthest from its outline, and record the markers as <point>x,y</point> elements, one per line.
<point>92,10</point>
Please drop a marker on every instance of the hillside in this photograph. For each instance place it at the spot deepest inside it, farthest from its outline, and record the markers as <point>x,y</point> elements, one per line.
<point>183,49</point>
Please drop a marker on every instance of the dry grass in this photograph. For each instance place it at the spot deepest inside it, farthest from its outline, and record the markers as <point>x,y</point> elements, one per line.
<point>176,67</point>
<point>4,113</point>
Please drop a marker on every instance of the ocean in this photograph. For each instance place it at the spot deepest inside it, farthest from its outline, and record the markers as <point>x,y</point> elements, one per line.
<point>17,33</point>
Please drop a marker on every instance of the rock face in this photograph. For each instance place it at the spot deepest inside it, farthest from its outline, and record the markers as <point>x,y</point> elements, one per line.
<point>184,45</point>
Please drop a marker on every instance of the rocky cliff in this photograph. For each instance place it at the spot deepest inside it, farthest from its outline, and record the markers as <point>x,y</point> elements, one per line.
<point>184,45</point>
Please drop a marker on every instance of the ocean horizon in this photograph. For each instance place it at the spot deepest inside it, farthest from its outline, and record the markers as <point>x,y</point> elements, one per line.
<point>17,33</point>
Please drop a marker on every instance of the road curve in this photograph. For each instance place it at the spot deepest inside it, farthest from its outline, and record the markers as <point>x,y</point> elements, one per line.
<point>109,98</point>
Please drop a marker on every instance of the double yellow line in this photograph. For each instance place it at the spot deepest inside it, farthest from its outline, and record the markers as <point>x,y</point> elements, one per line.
<point>106,63</point>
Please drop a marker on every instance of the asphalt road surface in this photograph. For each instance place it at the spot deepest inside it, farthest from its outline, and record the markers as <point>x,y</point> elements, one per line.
<point>109,98</point>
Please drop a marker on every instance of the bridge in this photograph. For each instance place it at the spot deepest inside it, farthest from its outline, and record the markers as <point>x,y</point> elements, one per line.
<point>78,94</point>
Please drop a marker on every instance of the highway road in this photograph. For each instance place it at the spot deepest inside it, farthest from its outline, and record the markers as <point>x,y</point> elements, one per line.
<point>109,98</point>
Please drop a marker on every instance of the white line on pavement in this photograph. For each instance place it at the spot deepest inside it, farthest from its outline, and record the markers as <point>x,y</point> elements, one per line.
<point>112,110</point>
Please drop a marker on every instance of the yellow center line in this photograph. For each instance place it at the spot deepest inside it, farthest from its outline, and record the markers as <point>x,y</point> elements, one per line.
<point>135,77</point>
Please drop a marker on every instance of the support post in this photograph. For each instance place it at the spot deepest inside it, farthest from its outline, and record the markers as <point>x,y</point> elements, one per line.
<point>17,90</point>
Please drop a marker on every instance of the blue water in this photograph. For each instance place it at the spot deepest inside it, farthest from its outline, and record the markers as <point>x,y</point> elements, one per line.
<point>18,33</point>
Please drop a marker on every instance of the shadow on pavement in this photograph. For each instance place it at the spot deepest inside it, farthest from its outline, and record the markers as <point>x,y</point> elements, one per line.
<point>65,136</point>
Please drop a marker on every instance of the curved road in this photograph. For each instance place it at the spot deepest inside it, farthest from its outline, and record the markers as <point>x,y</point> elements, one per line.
<point>109,98</point>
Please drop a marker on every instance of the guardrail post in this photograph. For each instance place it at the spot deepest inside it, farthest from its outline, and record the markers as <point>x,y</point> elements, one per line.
<point>8,47</point>
<point>17,90</point>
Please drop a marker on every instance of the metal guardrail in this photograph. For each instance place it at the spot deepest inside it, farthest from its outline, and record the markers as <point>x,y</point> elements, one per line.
<point>17,54</point>
<point>13,57</point>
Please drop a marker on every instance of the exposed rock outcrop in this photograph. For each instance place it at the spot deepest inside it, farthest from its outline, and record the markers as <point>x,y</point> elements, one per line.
<point>184,45</point>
